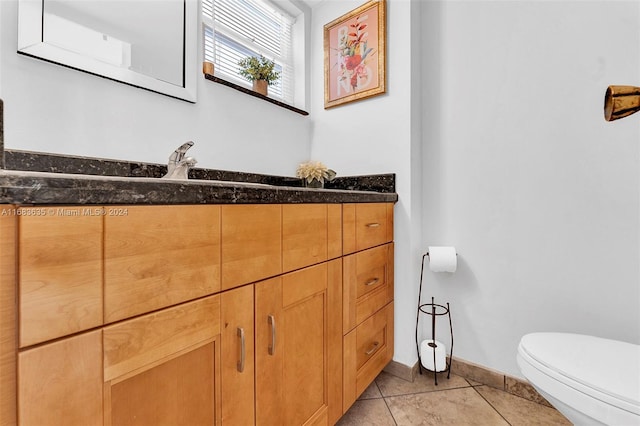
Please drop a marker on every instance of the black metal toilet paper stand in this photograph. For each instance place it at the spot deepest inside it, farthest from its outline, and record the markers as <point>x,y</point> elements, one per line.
<point>434,310</point>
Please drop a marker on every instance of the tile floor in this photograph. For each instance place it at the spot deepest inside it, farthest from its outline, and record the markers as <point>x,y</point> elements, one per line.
<point>457,401</point>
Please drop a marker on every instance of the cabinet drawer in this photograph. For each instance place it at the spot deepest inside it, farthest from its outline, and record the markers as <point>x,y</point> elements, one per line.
<point>158,256</point>
<point>366,225</point>
<point>367,350</point>
<point>251,243</point>
<point>60,270</point>
<point>368,284</point>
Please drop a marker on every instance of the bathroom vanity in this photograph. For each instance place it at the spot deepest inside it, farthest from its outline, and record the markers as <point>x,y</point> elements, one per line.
<point>147,301</point>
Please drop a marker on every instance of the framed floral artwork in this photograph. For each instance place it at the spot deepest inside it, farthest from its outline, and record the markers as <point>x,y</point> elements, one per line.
<point>354,55</point>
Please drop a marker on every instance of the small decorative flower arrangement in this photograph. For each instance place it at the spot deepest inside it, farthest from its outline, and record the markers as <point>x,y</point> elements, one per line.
<point>260,71</point>
<point>314,174</point>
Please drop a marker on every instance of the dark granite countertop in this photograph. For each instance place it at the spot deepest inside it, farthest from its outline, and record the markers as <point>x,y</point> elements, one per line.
<point>40,178</point>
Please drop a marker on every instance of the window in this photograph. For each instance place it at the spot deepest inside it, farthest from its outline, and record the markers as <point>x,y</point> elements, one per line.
<point>235,29</point>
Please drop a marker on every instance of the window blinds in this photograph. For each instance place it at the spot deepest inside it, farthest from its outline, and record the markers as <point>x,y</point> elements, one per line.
<point>235,29</point>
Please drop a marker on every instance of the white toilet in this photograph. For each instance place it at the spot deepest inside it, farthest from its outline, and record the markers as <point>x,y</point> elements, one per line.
<point>589,379</point>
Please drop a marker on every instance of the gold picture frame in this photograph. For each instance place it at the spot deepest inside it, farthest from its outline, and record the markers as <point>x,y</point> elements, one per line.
<point>355,55</point>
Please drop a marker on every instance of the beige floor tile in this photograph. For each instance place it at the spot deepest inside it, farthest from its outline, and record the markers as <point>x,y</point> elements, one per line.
<point>391,385</point>
<point>371,392</point>
<point>519,411</point>
<point>369,412</point>
<point>451,407</point>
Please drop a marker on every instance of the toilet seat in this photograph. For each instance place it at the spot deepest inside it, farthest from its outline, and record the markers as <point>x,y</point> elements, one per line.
<point>603,369</point>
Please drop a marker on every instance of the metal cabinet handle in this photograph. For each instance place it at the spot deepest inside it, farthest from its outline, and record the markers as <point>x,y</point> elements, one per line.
<point>242,349</point>
<point>272,322</point>
<point>372,349</point>
<point>373,225</point>
<point>372,282</point>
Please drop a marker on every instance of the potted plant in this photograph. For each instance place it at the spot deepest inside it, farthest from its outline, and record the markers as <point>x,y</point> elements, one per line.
<point>314,174</point>
<point>260,71</point>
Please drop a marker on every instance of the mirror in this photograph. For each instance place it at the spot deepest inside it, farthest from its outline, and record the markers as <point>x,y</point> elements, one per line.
<point>145,43</point>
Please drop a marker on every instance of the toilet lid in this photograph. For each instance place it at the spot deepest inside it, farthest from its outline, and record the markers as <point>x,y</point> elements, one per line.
<point>606,366</point>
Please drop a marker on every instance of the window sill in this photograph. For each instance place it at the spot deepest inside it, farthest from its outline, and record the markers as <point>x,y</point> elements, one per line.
<point>252,93</point>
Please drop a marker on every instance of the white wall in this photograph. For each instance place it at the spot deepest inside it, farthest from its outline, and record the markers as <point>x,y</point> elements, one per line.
<point>55,109</point>
<point>375,136</point>
<point>506,155</point>
<point>522,174</point>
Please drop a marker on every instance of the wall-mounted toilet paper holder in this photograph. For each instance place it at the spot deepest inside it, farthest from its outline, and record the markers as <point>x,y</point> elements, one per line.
<point>434,310</point>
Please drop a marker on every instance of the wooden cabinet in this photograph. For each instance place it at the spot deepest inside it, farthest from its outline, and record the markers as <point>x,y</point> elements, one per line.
<point>61,382</point>
<point>263,241</point>
<point>238,391</point>
<point>368,284</point>
<point>294,315</point>
<point>8,315</point>
<point>158,256</point>
<point>60,274</point>
<point>311,233</point>
<point>188,315</point>
<point>366,225</point>
<point>164,367</point>
<point>297,342</point>
<point>367,349</point>
<point>251,243</point>
<point>367,295</point>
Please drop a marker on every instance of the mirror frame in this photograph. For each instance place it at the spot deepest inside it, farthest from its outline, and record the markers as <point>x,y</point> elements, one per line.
<point>30,43</point>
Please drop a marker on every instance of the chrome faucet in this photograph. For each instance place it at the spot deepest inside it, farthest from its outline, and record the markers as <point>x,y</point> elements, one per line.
<point>179,165</point>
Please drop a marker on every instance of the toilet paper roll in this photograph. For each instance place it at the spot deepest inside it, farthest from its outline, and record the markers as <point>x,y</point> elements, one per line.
<point>426,355</point>
<point>443,259</point>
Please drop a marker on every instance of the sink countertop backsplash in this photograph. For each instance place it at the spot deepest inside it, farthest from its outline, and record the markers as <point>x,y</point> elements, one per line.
<point>117,182</point>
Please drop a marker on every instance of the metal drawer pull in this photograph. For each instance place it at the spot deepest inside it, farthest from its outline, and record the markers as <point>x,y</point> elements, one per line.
<point>272,322</point>
<point>242,350</point>
<point>372,282</point>
<point>373,225</point>
<point>373,348</point>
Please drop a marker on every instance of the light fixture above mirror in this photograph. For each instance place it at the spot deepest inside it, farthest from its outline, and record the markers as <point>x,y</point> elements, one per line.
<point>150,44</point>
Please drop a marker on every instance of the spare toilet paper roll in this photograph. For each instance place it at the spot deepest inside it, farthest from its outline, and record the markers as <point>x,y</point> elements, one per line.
<point>426,355</point>
<point>443,259</point>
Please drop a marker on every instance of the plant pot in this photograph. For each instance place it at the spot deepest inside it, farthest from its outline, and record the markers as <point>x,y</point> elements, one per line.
<point>207,68</point>
<point>313,184</point>
<point>260,86</point>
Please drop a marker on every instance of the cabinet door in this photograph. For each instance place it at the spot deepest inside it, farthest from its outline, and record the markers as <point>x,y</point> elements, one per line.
<point>251,243</point>
<point>61,382</point>
<point>164,368</point>
<point>60,272</point>
<point>295,345</point>
<point>158,256</point>
<point>238,357</point>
